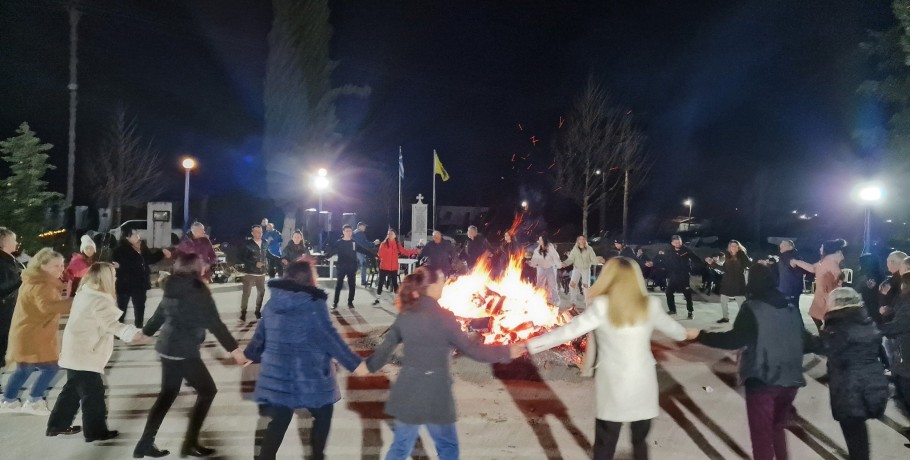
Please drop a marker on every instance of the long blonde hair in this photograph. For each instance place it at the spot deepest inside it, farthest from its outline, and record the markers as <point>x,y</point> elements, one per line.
<point>41,258</point>
<point>621,281</point>
<point>100,277</point>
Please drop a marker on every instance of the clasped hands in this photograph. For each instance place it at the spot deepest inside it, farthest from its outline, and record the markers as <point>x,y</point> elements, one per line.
<point>516,350</point>
<point>140,339</point>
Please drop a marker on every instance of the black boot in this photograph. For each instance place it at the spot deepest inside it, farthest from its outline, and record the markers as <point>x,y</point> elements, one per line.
<point>195,450</point>
<point>148,449</point>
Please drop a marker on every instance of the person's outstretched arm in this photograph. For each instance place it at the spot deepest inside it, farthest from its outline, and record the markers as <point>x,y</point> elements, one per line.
<point>579,326</point>
<point>332,342</point>
<point>254,349</point>
<point>471,348</point>
<point>744,332</point>
<point>383,352</point>
<point>665,324</point>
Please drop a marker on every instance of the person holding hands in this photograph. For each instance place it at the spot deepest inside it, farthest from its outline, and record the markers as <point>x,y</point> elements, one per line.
<point>623,317</point>
<point>422,395</point>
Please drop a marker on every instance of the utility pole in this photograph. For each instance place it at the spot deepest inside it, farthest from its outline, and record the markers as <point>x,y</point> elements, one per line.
<point>74,15</point>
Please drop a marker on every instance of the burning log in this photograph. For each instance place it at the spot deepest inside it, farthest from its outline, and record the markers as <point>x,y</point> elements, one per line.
<point>505,309</point>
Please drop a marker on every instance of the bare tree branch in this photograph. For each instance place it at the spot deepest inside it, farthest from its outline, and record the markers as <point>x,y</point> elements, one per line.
<point>126,170</point>
<point>598,142</point>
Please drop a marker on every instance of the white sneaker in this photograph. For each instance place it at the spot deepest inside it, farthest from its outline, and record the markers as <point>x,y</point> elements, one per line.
<point>10,406</point>
<point>36,408</point>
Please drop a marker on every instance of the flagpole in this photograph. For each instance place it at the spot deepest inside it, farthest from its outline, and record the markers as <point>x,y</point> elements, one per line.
<point>399,189</point>
<point>434,190</point>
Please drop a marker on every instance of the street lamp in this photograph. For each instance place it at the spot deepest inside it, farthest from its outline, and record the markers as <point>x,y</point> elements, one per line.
<point>320,183</point>
<point>689,203</point>
<point>869,194</point>
<point>188,165</point>
<point>524,205</point>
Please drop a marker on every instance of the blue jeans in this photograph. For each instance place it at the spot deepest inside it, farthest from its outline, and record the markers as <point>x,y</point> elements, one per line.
<point>39,388</point>
<point>444,436</point>
<point>363,263</point>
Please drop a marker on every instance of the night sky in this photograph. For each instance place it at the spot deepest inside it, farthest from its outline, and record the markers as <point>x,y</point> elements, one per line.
<point>722,89</point>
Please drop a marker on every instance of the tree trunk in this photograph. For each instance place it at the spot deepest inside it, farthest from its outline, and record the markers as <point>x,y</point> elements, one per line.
<point>74,14</point>
<point>625,206</point>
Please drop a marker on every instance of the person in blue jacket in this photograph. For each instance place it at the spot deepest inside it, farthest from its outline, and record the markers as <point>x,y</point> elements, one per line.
<point>296,342</point>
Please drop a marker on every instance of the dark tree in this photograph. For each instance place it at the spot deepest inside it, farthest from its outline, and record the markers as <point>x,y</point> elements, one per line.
<point>890,84</point>
<point>300,121</point>
<point>598,153</point>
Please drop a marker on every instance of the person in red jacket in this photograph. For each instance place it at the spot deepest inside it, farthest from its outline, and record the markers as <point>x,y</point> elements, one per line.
<point>389,250</point>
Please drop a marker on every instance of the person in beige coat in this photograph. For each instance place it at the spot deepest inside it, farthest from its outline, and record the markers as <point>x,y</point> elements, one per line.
<point>581,258</point>
<point>623,318</point>
<point>33,333</point>
<point>88,342</point>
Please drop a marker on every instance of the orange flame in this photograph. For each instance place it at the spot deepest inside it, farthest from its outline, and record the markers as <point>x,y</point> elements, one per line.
<point>517,309</point>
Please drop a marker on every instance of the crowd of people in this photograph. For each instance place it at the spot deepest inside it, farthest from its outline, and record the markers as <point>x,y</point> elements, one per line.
<point>297,345</point>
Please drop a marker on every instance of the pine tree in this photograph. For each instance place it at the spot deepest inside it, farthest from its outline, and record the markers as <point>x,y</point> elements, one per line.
<point>300,121</point>
<point>890,84</point>
<point>24,197</point>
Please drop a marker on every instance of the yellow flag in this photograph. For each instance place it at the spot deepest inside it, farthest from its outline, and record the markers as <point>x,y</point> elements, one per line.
<point>438,168</point>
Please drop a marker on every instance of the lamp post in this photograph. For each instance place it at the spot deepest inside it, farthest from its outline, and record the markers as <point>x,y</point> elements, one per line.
<point>603,200</point>
<point>320,184</point>
<point>689,203</point>
<point>188,165</point>
<point>869,194</point>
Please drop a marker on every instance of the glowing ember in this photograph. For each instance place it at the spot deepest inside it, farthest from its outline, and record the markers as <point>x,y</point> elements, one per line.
<point>516,310</point>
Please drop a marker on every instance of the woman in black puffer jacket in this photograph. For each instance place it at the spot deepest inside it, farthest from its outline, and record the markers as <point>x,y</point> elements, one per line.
<point>859,388</point>
<point>186,311</point>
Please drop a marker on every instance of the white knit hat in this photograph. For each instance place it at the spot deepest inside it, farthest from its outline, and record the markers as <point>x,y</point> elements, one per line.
<point>86,241</point>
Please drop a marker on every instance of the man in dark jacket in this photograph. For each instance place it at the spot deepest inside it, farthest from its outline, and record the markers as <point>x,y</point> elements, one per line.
<point>676,261</point>
<point>620,250</point>
<point>774,339</point>
<point>439,254</point>
<point>789,278</point>
<point>347,251</point>
<point>475,247</point>
<point>366,252</point>
<point>10,281</point>
<point>255,260</point>
<point>898,331</point>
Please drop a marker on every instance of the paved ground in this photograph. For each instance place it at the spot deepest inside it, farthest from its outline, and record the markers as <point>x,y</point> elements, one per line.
<point>703,413</point>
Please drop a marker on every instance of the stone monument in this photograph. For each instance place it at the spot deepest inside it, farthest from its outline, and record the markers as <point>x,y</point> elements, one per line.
<point>418,221</point>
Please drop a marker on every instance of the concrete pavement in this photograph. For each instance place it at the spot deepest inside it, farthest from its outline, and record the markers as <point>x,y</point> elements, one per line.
<point>703,412</point>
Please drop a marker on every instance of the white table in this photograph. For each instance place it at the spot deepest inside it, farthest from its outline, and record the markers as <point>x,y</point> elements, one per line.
<point>408,265</point>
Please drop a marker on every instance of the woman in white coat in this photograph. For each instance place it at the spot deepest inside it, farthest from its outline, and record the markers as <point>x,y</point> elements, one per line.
<point>623,318</point>
<point>546,260</point>
<point>88,342</point>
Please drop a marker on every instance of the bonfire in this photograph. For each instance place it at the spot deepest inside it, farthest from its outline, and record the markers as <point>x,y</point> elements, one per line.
<point>504,309</point>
